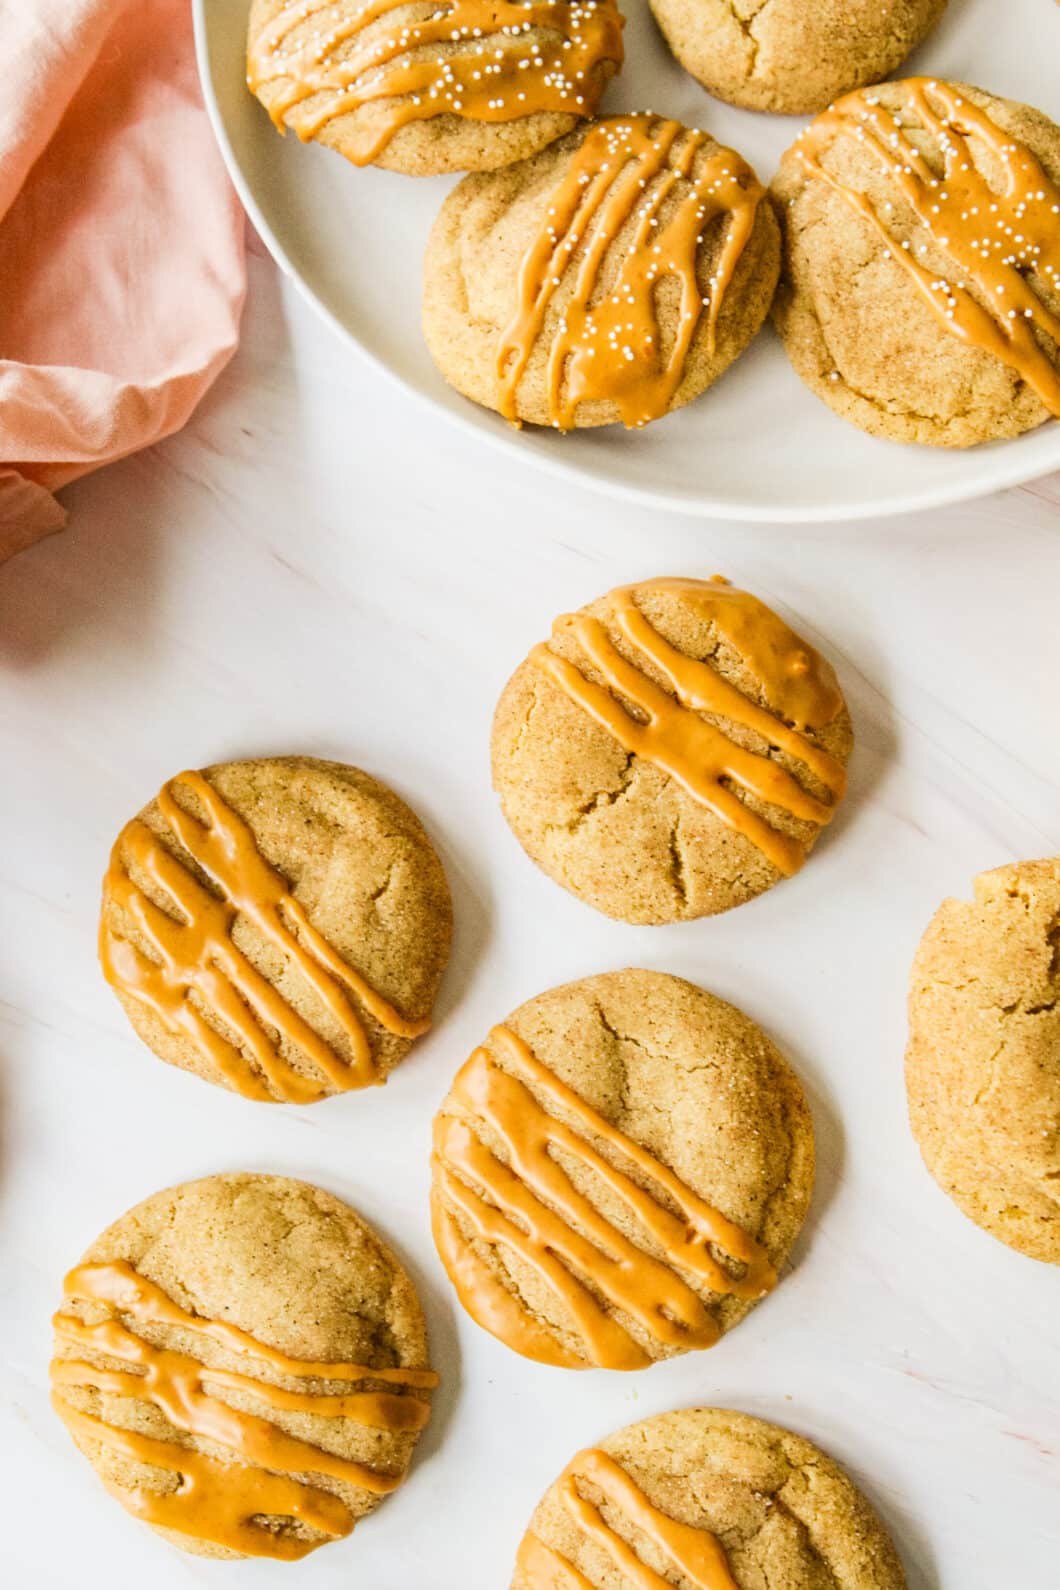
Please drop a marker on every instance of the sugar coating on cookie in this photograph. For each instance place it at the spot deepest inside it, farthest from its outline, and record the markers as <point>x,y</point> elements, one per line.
<point>244,1364</point>
<point>279,927</point>
<point>709,1498</point>
<point>920,290</point>
<point>792,56</point>
<point>464,85</point>
<point>611,278</point>
<point>619,1172</point>
<point>673,750</point>
<point>983,1062</point>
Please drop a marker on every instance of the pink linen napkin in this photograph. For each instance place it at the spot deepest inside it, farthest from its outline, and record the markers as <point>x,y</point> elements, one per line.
<point>121,244</point>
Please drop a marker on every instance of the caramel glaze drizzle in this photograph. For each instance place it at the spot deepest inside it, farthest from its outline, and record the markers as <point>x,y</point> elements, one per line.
<point>217,1500</point>
<point>195,952</point>
<point>529,1205</point>
<point>607,344</point>
<point>695,1554</point>
<point>460,58</point>
<point>996,241</point>
<point>671,733</point>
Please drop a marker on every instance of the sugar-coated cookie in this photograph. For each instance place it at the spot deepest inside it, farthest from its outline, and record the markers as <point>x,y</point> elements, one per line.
<point>709,1498</point>
<point>983,1063</point>
<point>612,277</point>
<point>793,56</point>
<point>244,1364</point>
<point>466,86</point>
<point>673,750</point>
<point>619,1172</point>
<point>279,927</point>
<point>920,291</point>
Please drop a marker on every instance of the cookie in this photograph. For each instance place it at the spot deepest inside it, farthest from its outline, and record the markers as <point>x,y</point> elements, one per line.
<point>920,291</point>
<point>983,1063</point>
<point>709,1498</point>
<point>792,56</point>
<point>612,277</point>
<point>672,751</point>
<point>279,927</point>
<point>244,1364</point>
<point>619,1172</point>
<point>468,86</point>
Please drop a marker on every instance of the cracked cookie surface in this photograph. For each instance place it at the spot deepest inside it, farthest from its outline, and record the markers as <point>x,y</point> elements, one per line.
<point>278,1355</point>
<point>620,1171</point>
<point>278,926</point>
<point>616,829</point>
<point>665,1494</point>
<point>921,361</point>
<point>792,56</point>
<point>983,1061</point>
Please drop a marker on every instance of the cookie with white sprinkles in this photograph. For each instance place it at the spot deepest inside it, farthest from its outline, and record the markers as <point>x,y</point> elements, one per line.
<point>920,290</point>
<point>424,86</point>
<point>612,277</point>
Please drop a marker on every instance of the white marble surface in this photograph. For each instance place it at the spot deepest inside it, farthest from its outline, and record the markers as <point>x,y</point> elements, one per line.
<point>318,565</point>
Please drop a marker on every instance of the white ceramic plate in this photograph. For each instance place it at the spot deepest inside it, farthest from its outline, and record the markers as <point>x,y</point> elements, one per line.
<point>759,446</point>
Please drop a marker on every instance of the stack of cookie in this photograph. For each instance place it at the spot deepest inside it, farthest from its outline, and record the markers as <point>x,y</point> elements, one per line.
<point>599,271</point>
<point>619,1170</point>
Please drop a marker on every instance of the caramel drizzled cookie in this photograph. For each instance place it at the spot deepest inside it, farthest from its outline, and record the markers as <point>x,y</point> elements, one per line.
<point>244,1364</point>
<point>619,1172</point>
<point>983,1063</point>
<point>709,1499</point>
<point>920,292</point>
<point>425,86</point>
<point>673,750</point>
<point>612,277</point>
<point>792,56</point>
<point>278,927</point>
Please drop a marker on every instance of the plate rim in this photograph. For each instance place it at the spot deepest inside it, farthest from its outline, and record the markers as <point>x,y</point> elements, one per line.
<point>950,494</point>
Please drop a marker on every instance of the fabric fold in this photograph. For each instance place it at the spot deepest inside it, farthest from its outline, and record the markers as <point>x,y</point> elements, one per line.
<point>121,245</point>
